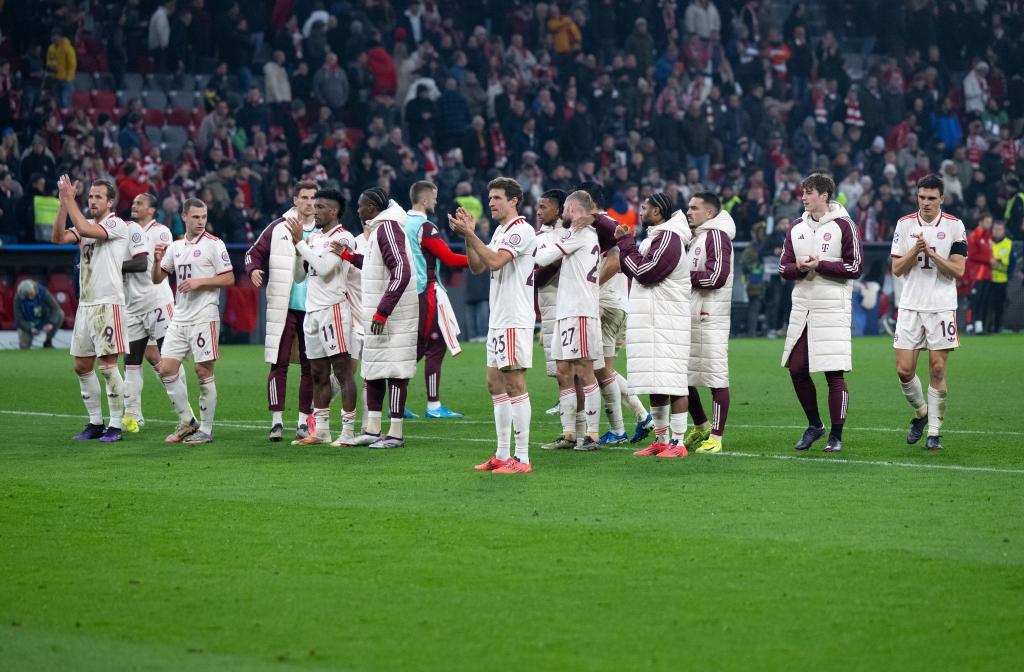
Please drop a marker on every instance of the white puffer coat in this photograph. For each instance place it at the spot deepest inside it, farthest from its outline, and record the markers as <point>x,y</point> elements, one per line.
<point>658,321</point>
<point>822,304</point>
<point>391,354</point>
<point>711,308</point>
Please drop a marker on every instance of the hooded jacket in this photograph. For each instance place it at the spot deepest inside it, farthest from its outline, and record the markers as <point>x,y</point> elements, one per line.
<point>710,260</point>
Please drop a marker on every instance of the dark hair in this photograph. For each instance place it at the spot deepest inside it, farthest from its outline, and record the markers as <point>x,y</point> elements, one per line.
<point>302,185</point>
<point>710,198</point>
<point>932,181</point>
<point>110,187</point>
<point>419,188</point>
<point>596,192</point>
<point>662,203</point>
<point>819,182</point>
<point>333,195</point>
<point>192,203</point>
<point>377,196</point>
<point>509,186</point>
<point>556,195</point>
<point>153,202</point>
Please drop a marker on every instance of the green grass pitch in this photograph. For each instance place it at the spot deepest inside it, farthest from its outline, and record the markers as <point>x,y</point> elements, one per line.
<point>246,555</point>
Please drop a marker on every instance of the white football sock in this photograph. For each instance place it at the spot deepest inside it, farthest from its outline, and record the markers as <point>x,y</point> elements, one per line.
<point>612,396</point>
<point>207,404</point>
<point>592,407</point>
<point>936,410</point>
<point>915,395</point>
<point>348,423</point>
<point>89,384</point>
<point>373,422</point>
<point>521,412</point>
<point>303,420</point>
<point>133,390</point>
<point>276,418</point>
<point>502,424</point>
<point>115,393</point>
<point>322,418</point>
<point>178,394</point>
<point>677,421</point>
<point>567,411</point>
<point>629,398</point>
<point>433,405</point>
<point>396,428</point>
<point>581,424</point>
<point>366,411</point>
<point>661,423</point>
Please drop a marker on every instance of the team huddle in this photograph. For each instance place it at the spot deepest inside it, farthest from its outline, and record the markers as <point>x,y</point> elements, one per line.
<point>372,305</point>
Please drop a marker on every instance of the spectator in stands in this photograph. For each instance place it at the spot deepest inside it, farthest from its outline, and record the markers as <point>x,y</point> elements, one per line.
<point>702,18</point>
<point>278,88</point>
<point>976,89</point>
<point>160,34</point>
<point>10,198</point>
<point>36,312</point>
<point>330,84</point>
<point>62,64</point>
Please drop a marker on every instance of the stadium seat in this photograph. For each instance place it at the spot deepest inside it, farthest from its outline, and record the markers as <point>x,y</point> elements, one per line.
<point>133,82</point>
<point>104,101</point>
<point>63,289</point>
<point>153,117</point>
<point>6,306</point>
<point>160,81</point>
<point>81,100</point>
<point>183,99</point>
<point>197,116</point>
<point>154,134</point>
<point>84,82</point>
<point>179,116</point>
<point>154,99</point>
<point>177,135</point>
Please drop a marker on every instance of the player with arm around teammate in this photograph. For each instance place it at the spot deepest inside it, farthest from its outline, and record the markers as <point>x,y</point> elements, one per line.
<point>99,323</point>
<point>929,250</point>
<point>201,264</point>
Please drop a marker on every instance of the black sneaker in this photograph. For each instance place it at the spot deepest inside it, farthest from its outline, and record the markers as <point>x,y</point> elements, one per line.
<point>89,433</point>
<point>276,432</point>
<point>811,434</point>
<point>933,443</point>
<point>834,445</point>
<point>916,431</point>
<point>587,445</point>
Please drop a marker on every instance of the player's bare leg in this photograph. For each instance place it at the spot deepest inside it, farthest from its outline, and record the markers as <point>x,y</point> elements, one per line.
<point>906,370</point>
<point>172,376</point>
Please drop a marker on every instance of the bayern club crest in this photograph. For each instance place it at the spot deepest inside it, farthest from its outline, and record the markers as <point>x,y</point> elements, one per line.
<point>196,253</point>
<point>696,251</point>
<point>827,237</point>
<point>941,235</point>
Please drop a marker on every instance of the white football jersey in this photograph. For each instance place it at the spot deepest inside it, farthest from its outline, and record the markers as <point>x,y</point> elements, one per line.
<point>925,289</point>
<point>205,257</point>
<point>614,292</point>
<point>100,278</point>
<point>327,272</point>
<point>141,295</point>
<point>512,284</point>
<point>578,289</point>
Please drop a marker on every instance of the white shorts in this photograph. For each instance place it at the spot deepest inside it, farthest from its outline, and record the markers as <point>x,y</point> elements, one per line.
<point>510,349</point>
<point>199,338</point>
<point>152,324</point>
<point>328,332</point>
<point>613,331</point>
<point>926,331</point>
<point>99,331</point>
<point>576,338</point>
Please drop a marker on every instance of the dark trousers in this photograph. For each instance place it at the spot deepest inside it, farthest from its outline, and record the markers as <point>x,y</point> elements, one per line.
<point>277,381</point>
<point>996,303</point>
<point>431,344</point>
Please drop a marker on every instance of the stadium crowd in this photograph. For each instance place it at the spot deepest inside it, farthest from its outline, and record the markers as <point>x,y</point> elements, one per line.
<point>743,98</point>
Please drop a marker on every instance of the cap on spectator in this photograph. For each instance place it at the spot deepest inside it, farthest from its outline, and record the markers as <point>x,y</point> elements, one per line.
<point>889,169</point>
<point>878,144</point>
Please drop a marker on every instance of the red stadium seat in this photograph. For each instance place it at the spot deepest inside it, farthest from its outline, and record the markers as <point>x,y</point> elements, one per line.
<point>60,282</point>
<point>197,115</point>
<point>104,101</point>
<point>63,289</point>
<point>81,100</point>
<point>179,116</point>
<point>6,306</point>
<point>153,118</point>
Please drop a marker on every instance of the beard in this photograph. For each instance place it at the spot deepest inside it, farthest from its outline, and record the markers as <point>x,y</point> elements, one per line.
<point>566,222</point>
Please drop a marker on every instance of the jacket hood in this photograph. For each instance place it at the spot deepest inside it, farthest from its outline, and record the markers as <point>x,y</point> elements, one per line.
<point>393,213</point>
<point>294,212</point>
<point>835,211</point>
<point>678,225</point>
<point>722,221</point>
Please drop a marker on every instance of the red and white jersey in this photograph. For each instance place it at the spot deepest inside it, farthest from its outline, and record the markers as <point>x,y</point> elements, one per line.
<point>512,284</point>
<point>141,295</point>
<point>204,257</point>
<point>578,289</point>
<point>100,278</point>
<point>926,289</point>
<point>327,272</point>
<point>354,282</point>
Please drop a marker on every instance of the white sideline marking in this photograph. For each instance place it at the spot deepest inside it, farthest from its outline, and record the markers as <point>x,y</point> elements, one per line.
<point>795,458</point>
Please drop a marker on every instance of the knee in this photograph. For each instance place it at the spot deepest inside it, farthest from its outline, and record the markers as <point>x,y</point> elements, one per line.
<point>83,367</point>
<point>905,373</point>
<point>938,373</point>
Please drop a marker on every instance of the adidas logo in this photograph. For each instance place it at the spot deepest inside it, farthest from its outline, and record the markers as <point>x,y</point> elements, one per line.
<point>801,237</point>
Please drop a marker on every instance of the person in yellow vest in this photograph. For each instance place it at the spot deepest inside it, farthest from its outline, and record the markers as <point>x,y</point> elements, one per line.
<point>1003,261</point>
<point>63,65</point>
